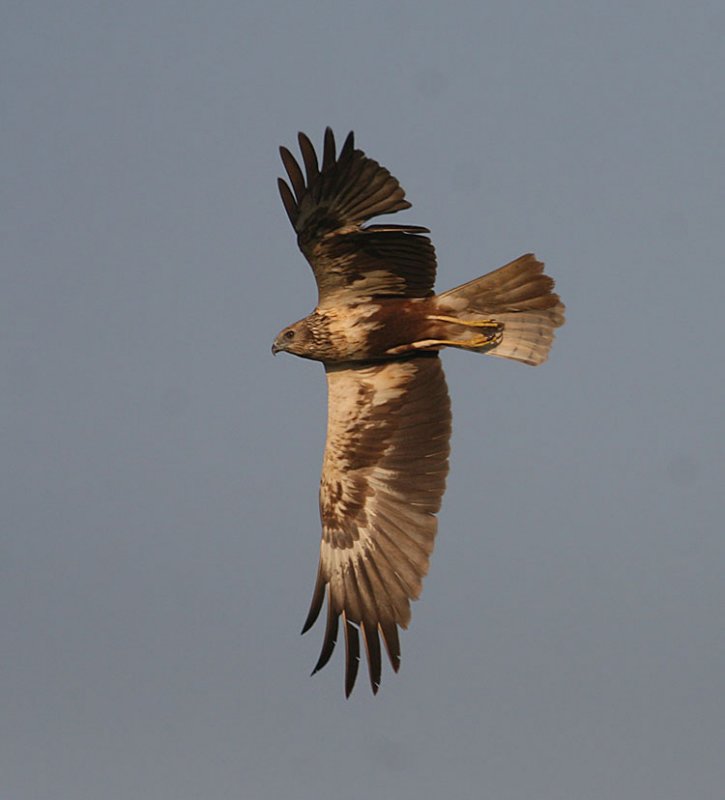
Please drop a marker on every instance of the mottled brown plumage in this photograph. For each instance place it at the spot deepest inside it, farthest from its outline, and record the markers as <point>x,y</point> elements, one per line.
<point>378,329</point>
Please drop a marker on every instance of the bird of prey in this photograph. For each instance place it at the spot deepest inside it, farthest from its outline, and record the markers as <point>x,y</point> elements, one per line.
<point>378,329</point>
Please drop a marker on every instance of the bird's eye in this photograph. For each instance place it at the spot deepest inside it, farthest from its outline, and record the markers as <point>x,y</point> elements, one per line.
<point>289,335</point>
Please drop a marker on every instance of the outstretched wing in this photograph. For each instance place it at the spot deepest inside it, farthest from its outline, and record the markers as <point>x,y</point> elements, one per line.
<point>327,209</point>
<point>383,477</point>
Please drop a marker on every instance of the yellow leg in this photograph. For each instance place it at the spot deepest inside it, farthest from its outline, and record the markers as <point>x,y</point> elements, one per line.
<point>469,323</point>
<point>475,342</point>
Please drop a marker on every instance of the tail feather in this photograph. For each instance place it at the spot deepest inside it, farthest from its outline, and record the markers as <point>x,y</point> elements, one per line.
<point>520,297</point>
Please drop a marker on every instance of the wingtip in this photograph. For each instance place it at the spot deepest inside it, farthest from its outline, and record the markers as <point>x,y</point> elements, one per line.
<point>352,653</point>
<point>328,149</point>
<point>288,200</point>
<point>329,132</point>
<point>349,145</point>
<point>303,140</point>
<point>321,662</point>
<point>311,619</point>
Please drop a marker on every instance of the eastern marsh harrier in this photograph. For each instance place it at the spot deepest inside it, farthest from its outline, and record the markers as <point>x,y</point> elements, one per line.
<point>378,328</point>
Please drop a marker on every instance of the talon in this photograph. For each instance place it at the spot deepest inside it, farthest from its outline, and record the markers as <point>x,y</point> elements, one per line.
<point>484,341</point>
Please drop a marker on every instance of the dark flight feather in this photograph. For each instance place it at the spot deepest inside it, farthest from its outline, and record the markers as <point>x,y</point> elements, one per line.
<point>328,207</point>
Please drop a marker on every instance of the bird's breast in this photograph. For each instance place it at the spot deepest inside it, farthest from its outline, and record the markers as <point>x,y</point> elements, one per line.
<point>366,331</point>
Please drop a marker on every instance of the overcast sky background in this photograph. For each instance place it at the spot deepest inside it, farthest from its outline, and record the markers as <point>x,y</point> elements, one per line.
<point>159,534</point>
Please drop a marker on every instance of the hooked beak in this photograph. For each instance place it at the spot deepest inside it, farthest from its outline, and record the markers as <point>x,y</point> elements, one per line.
<point>275,349</point>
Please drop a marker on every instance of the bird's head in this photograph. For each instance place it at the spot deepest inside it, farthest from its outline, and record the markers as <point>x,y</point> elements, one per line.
<point>296,339</point>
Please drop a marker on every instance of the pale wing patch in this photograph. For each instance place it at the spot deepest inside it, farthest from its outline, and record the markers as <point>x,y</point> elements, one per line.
<point>392,383</point>
<point>349,328</point>
<point>383,478</point>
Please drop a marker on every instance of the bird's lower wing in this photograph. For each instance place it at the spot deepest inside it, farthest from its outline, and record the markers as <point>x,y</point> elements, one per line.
<point>383,477</point>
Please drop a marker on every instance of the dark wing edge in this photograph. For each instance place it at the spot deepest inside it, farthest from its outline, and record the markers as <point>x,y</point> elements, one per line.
<point>348,190</point>
<point>327,207</point>
<point>384,472</point>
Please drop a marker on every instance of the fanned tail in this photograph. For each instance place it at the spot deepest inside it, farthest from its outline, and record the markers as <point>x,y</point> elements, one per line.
<point>509,313</point>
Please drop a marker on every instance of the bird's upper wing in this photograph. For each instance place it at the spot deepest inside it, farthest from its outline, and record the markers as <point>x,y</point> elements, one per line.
<point>328,207</point>
<point>383,477</point>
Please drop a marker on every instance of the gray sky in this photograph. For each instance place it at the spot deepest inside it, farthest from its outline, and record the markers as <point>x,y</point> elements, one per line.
<point>160,468</point>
